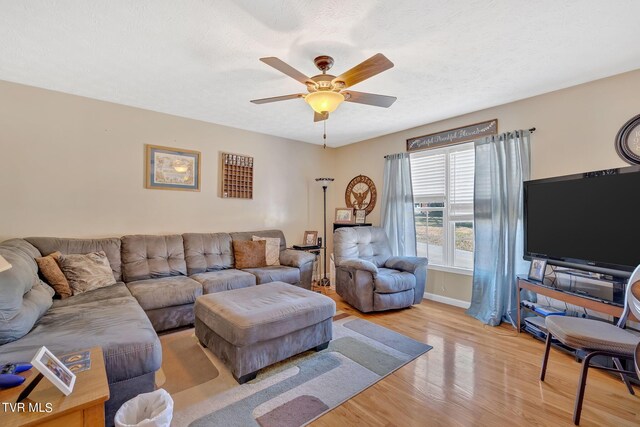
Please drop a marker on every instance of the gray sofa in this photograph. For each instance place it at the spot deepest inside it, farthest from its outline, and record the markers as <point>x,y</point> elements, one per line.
<point>158,280</point>
<point>369,278</point>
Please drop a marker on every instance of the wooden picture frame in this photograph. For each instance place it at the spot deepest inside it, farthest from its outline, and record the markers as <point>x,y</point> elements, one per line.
<point>344,216</point>
<point>54,370</point>
<point>310,238</point>
<point>537,269</point>
<point>169,168</point>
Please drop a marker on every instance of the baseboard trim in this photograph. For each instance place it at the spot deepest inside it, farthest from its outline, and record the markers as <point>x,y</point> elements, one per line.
<point>447,300</point>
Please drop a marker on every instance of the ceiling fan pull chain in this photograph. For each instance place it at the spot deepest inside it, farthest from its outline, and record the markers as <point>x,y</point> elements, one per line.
<point>324,135</point>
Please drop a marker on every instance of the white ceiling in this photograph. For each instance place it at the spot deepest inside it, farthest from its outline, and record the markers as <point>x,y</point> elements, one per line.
<point>199,59</point>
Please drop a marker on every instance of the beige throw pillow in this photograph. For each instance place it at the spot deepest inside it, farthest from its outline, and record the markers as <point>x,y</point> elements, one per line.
<point>249,254</point>
<point>50,270</point>
<point>87,272</point>
<point>273,249</point>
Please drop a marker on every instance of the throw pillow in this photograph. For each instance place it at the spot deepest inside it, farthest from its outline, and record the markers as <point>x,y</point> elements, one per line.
<point>87,272</point>
<point>51,272</point>
<point>250,254</point>
<point>273,249</point>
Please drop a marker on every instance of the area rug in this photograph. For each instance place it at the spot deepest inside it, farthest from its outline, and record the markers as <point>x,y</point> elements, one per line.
<point>297,390</point>
<point>189,364</point>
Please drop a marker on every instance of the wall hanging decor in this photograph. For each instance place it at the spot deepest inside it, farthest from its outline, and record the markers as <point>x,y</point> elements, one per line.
<point>237,176</point>
<point>628,141</point>
<point>169,168</point>
<point>453,136</point>
<point>361,194</point>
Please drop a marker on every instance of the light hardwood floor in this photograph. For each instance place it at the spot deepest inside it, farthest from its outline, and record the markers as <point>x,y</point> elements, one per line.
<point>479,376</point>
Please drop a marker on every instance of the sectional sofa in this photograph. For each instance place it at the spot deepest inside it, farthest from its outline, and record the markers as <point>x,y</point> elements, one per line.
<point>158,280</point>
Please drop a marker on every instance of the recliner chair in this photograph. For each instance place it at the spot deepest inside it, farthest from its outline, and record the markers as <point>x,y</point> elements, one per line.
<point>369,278</point>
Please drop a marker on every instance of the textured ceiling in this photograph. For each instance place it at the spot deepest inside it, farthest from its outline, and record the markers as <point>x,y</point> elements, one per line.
<point>199,59</point>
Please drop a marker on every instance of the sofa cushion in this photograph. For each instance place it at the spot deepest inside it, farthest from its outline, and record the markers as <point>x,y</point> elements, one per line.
<point>149,257</point>
<point>23,297</point>
<point>389,281</point>
<point>247,316</point>
<point>275,273</point>
<point>86,272</point>
<point>368,243</point>
<point>110,246</point>
<point>250,254</point>
<point>165,292</point>
<point>224,280</point>
<point>130,345</point>
<point>118,290</point>
<point>53,275</point>
<point>207,252</point>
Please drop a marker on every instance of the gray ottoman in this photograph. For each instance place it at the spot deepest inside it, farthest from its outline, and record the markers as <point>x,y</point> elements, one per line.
<point>254,327</point>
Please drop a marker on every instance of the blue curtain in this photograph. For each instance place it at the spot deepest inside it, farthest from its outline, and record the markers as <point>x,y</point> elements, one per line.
<point>397,205</point>
<point>502,164</point>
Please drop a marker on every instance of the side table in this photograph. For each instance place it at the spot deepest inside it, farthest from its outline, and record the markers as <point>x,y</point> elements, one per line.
<point>83,407</point>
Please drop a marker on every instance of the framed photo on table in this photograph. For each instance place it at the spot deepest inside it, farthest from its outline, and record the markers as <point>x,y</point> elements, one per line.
<point>537,269</point>
<point>344,216</point>
<point>169,168</point>
<point>54,370</point>
<point>310,238</point>
<point>361,216</point>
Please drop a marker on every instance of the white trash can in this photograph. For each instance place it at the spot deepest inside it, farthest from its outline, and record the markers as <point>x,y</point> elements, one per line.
<point>153,409</point>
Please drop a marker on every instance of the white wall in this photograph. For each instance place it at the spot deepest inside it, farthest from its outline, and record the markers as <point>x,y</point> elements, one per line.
<point>74,167</point>
<point>575,132</point>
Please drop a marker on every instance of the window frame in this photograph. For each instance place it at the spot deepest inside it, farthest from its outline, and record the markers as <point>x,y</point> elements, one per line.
<point>449,219</point>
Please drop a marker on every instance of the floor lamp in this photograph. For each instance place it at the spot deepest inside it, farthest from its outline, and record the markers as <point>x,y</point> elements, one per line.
<point>324,182</point>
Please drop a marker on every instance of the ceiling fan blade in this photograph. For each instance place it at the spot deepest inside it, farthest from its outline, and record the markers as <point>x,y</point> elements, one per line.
<point>277,98</point>
<point>369,98</point>
<point>369,68</point>
<point>285,68</point>
<point>317,117</point>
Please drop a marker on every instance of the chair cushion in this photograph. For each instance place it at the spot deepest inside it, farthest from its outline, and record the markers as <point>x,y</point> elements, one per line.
<point>50,270</point>
<point>275,273</point>
<point>368,243</point>
<point>224,280</point>
<point>247,316</point>
<point>588,334</point>
<point>130,345</point>
<point>390,281</point>
<point>250,254</point>
<point>86,272</point>
<point>165,292</point>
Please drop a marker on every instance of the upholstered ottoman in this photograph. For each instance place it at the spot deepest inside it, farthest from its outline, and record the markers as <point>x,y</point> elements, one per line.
<point>251,328</point>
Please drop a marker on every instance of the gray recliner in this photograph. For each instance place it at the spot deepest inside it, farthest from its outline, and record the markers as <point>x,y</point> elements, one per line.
<point>369,278</point>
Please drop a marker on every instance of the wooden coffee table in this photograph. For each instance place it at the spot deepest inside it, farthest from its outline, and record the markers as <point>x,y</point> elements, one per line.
<point>83,407</point>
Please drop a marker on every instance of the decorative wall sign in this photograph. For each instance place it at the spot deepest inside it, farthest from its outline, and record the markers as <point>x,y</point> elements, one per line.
<point>361,194</point>
<point>628,141</point>
<point>237,176</point>
<point>453,136</point>
<point>172,169</point>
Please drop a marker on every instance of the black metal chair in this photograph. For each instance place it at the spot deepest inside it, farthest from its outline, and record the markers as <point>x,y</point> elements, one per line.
<point>597,338</point>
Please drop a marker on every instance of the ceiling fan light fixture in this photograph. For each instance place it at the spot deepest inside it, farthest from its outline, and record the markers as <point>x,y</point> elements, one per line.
<point>324,101</point>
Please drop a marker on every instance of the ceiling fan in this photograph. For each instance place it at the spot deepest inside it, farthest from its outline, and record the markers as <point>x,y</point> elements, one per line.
<point>327,92</point>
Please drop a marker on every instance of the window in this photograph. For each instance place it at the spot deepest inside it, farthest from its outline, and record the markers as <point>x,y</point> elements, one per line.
<point>442,182</point>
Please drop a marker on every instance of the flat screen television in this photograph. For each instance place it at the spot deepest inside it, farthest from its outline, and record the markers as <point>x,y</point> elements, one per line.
<point>589,221</point>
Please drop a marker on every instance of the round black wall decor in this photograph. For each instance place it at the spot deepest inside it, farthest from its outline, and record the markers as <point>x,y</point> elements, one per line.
<point>628,141</point>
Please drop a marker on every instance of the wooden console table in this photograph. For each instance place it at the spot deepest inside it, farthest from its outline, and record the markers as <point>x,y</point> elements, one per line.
<point>590,303</point>
<point>83,407</point>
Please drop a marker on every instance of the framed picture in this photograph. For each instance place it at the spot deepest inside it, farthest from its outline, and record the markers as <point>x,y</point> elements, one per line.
<point>537,269</point>
<point>361,216</point>
<point>54,370</point>
<point>310,238</point>
<point>172,169</point>
<point>344,216</point>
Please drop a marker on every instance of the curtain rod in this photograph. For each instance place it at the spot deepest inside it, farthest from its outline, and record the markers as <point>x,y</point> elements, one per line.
<point>532,130</point>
